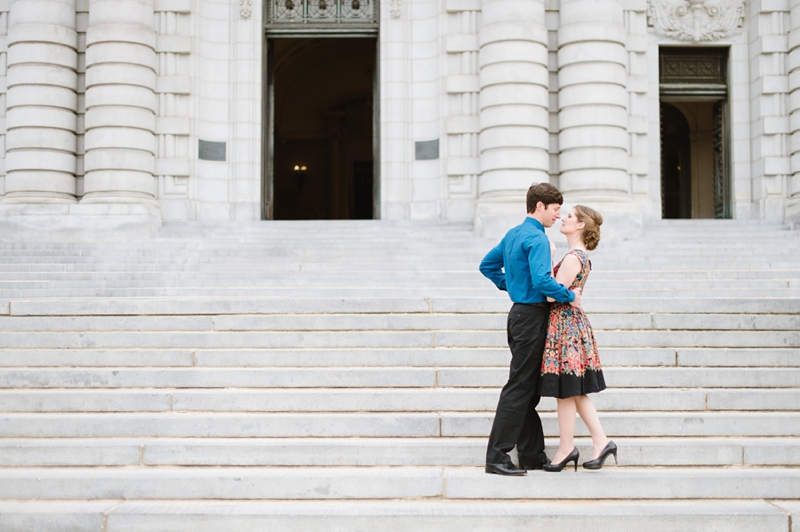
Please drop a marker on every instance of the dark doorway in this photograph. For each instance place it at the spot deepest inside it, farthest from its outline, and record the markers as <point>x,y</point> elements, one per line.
<point>321,112</point>
<point>695,169</point>
<point>676,157</point>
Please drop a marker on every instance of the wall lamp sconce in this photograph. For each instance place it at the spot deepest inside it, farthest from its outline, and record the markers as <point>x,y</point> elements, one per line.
<point>299,172</point>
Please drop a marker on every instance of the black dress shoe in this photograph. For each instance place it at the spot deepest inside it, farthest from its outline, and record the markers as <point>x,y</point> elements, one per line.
<point>504,469</point>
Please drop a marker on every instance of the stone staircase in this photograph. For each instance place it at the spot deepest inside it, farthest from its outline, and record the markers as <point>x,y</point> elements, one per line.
<point>343,376</point>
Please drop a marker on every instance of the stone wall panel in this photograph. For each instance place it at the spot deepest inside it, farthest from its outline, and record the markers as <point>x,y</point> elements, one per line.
<point>509,115</point>
<point>127,95</point>
<point>46,33</point>
<point>32,138</point>
<point>32,74</point>
<point>127,74</point>
<point>113,159</point>
<point>118,137</point>
<point>42,117</point>
<point>121,53</point>
<point>50,96</point>
<point>133,117</point>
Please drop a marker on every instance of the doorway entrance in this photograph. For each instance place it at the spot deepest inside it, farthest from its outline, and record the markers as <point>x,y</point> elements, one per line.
<point>320,162</point>
<point>695,175</point>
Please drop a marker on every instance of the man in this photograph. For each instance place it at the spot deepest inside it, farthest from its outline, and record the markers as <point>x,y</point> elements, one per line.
<point>520,265</point>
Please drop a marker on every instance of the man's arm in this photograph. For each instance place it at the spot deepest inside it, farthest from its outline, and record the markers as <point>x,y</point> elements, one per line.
<point>492,266</point>
<point>539,261</point>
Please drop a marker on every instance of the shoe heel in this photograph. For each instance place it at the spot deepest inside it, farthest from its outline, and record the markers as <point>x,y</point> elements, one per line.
<point>615,457</point>
<point>575,460</point>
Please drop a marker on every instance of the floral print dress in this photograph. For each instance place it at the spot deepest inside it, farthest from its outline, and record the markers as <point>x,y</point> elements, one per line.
<point>570,365</point>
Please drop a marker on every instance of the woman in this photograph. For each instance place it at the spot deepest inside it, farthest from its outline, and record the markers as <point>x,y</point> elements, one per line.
<point>571,366</point>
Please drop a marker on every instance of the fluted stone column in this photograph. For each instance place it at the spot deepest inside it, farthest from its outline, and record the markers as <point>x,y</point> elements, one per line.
<point>593,111</point>
<point>121,103</point>
<point>41,103</point>
<point>513,140</point>
<point>793,203</point>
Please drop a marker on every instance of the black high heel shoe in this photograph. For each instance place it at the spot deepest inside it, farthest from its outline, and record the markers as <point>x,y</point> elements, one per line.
<point>597,463</point>
<point>572,457</point>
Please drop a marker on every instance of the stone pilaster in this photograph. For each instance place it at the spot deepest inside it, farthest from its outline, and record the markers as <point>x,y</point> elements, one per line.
<point>3,84</point>
<point>173,126</point>
<point>462,126</point>
<point>513,141</point>
<point>593,113</point>
<point>121,103</point>
<point>770,164</point>
<point>793,65</point>
<point>41,102</point>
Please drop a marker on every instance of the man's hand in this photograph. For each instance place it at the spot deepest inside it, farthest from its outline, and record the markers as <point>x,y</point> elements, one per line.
<point>577,301</point>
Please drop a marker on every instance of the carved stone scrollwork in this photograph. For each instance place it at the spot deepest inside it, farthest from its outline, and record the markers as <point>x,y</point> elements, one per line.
<point>394,8</point>
<point>245,9</point>
<point>695,20</point>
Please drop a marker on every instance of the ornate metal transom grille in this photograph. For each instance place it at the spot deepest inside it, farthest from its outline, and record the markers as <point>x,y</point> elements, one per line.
<point>694,66</point>
<point>321,13</point>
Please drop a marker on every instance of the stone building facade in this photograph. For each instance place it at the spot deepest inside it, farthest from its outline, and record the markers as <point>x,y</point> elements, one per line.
<point>121,114</point>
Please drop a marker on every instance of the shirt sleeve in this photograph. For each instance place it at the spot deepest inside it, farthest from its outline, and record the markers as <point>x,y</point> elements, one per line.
<point>539,258</point>
<point>492,266</point>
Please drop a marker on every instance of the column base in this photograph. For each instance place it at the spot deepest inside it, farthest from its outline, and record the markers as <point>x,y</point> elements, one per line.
<point>38,198</point>
<point>495,216</point>
<point>622,218</point>
<point>792,212</point>
<point>78,222</point>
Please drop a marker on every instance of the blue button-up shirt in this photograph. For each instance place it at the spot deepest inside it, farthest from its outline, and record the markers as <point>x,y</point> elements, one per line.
<point>524,254</point>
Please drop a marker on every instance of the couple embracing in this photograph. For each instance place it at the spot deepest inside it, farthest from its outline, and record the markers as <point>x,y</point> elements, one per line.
<point>553,352</point>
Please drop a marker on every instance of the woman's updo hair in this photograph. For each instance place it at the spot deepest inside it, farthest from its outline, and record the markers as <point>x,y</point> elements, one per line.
<point>592,220</point>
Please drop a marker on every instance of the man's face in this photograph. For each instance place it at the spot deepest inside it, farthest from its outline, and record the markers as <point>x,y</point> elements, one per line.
<point>548,214</point>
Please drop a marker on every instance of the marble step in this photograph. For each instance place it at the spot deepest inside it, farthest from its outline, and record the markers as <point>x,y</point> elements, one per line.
<point>379,425</point>
<point>397,516</point>
<point>364,399</point>
<point>397,452</point>
<point>679,271</point>
<point>408,357</point>
<point>497,304</point>
<point>630,280</point>
<point>391,322</point>
<point>474,282</point>
<point>309,483</point>
<point>381,377</point>
<point>377,339</point>
<point>468,272</point>
<point>38,289</point>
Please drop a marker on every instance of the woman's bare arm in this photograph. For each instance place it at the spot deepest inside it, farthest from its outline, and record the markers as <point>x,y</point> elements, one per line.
<point>569,269</point>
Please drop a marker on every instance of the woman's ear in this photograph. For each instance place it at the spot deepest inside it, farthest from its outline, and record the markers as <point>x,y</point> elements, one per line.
<point>580,225</point>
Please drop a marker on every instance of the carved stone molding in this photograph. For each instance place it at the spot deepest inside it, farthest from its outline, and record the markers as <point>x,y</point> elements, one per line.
<point>695,20</point>
<point>245,9</point>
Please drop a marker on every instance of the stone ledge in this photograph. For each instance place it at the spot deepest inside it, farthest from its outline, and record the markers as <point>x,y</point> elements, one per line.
<point>78,222</point>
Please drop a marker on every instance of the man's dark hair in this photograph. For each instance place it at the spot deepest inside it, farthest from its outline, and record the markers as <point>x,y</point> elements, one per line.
<point>544,192</point>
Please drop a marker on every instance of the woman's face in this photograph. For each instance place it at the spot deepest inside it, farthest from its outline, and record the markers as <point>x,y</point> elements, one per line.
<point>570,224</point>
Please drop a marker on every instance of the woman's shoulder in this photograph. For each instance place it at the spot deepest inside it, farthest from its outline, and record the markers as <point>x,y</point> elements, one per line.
<point>582,256</point>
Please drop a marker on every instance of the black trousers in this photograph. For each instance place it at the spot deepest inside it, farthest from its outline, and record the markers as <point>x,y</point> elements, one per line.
<point>516,421</point>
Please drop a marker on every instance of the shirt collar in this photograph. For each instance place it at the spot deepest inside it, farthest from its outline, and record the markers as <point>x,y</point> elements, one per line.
<point>536,223</point>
